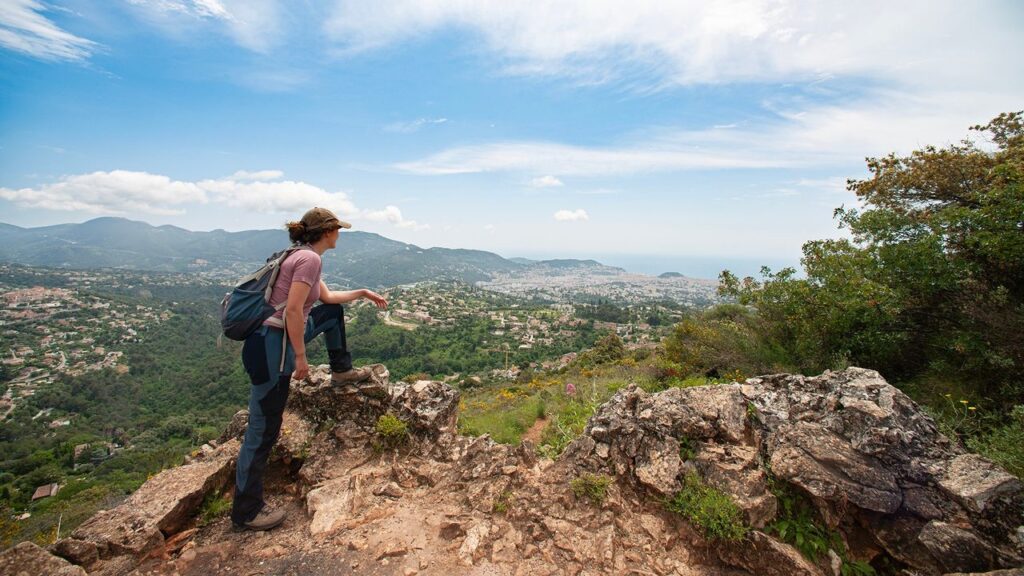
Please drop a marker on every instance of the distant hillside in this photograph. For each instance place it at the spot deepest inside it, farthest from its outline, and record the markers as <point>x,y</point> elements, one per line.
<point>671,275</point>
<point>363,258</point>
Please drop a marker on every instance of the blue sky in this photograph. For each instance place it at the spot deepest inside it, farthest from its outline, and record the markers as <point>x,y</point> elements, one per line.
<point>583,128</point>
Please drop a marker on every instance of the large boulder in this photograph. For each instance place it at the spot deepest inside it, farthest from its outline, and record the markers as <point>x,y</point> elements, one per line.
<point>28,559</point>
<point>870,461</point>
<point>163,506</point>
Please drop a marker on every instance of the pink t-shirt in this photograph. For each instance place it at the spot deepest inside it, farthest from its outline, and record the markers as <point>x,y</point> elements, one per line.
<point>301,266</point>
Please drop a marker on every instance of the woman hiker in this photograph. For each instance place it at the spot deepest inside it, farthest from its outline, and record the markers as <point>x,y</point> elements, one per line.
<point>299,286</point>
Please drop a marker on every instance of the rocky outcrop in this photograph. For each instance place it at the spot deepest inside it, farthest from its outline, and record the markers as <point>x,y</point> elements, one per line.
<point>163,506</point>
<point>28,559</point>
<point>872,463</point>
<point>873,467</point>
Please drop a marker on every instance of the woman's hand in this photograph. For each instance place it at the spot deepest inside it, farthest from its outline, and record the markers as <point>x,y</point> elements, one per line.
<point>301,368</point>
<point>377,299</point>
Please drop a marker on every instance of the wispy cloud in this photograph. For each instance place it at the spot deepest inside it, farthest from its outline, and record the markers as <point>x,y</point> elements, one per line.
<point>699,42</point>
<point>811,135</point>
<point>413,126</point>
<point>578,215</point>
<point>23,28</point>
<point>546,182</point>
<point>256,25</point>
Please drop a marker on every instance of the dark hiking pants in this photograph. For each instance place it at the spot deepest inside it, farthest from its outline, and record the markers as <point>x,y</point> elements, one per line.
<point>261,356</point>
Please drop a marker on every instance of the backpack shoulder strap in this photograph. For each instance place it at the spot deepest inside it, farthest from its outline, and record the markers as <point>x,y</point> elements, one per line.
<point>276,269</point>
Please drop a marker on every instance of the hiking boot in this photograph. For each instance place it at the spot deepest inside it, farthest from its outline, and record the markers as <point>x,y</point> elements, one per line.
<point>351,376</point>
<point>267,518</point>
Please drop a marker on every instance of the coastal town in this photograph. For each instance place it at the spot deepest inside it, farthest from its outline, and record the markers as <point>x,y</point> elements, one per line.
<point>584,283</point>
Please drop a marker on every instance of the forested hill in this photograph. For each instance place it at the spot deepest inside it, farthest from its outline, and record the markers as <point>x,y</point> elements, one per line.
<point>367,259</point>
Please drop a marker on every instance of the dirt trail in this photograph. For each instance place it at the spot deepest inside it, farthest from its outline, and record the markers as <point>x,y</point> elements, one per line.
<point>536,431</point>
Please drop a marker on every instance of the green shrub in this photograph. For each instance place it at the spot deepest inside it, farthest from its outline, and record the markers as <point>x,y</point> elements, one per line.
<point>392,431</point>
<point>797,525</point>
<point>214,506</point>
<point>1005,444</point>
<point>712,511</point>
<point>593,487</point>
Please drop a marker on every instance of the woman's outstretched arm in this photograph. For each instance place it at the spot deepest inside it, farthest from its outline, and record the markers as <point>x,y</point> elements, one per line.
<point>328,296</point>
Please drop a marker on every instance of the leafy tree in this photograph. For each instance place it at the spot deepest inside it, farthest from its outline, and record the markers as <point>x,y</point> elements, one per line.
<point>932,280</point>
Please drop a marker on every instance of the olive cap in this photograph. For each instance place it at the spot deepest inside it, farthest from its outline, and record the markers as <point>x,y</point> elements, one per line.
<point>323,219</point>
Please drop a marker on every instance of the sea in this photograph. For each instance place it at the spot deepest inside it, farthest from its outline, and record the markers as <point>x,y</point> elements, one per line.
<point>708,267</point>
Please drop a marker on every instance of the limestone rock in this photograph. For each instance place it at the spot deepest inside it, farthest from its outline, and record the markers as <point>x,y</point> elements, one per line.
<point>160,507</point>
<point>335,502</point>
<point>956,549</point>
<point>236,427</point>
<point>825,466</point>
<point>75,551</point>
<point>429,408</point>
<point>975,482</point>
<point>28,559</point>
<point>765,556</point>
<point>873,464</point>
<point>319,400</point>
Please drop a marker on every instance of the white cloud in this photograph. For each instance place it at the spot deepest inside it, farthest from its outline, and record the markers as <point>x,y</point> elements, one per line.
<point>393,215</point>
<point>578,215</point>
<point>116,192</point>
<point>271,197</point>
<point>413,126</point>
<point>546,182</point>
<point>24,29</point>
<point>126,193</point>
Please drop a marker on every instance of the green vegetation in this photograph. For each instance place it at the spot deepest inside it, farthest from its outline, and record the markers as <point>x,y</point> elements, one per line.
<point>392,431</point>
<point>503,502</point>
<point>214,506</point>
<point>506,426</point>
<point>712,511</point>
<point>687,449</point>
<point>928,290</point>
<point>122,427</point>
<point>1004,444</point>
<point>465,345</point>
<point>796,523</point>
<point>593,487</point>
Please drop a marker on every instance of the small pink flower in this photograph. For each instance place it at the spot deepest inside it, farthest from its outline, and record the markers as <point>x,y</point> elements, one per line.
<point>570,389</point>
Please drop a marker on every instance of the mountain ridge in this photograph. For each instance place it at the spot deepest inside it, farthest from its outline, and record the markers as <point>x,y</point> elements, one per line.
<point>366,258</point>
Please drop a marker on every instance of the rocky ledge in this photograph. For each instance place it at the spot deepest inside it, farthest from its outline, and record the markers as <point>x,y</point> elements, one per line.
<point>855,453</point>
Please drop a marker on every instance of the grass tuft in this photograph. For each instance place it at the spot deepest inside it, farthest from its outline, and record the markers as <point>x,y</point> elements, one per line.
<point>214,506</point>
<point>392,431</point>
<point>593,487</point>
